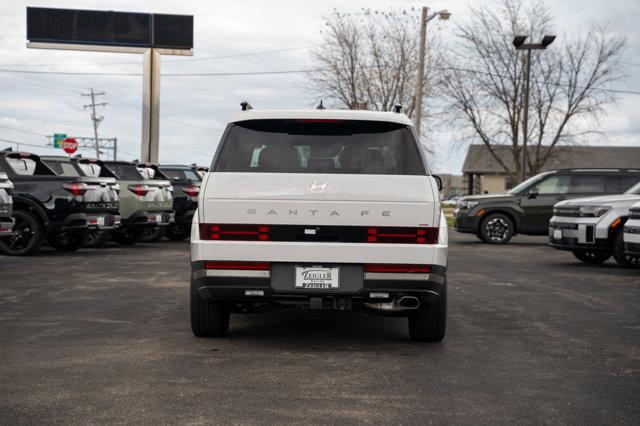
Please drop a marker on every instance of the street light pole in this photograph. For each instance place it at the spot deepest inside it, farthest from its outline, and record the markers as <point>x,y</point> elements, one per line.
<point>519,43</point>
<point>424,18</point>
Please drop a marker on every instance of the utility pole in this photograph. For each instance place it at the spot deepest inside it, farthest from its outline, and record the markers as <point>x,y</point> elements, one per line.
<point>519,43</point>
<point>424,18</point>
<point>96,120</point>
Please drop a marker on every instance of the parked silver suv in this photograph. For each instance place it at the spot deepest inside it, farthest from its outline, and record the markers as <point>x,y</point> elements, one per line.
<point>592,228</point>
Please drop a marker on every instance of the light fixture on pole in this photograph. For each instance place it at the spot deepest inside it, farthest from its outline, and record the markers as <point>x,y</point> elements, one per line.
<point>424,18</point>
<point>519,43</point>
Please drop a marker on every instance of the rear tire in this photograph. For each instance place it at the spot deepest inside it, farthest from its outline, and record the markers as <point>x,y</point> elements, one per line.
<point>127,236</point>
<point>592,257</point>
<point>153,234</point>
<point>428,323</point>
<point>68,241</point>
<point>208,318</point>
<point>178,232</point>
<point>28,235</point>
<point>97,239</point>
<point>496,228</point>
<point>620,256</point>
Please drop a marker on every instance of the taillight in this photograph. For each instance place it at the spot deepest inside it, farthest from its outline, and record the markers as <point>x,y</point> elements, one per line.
<point>76,188</point>
<point>245,266</point>
<point>141,190</point>
<point>402,235</point>
<point>192,191</point>
<point>227,232</point>
<point>397,269</point>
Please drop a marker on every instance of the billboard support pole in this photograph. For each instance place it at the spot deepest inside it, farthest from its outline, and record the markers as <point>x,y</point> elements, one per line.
<point>150,106</point>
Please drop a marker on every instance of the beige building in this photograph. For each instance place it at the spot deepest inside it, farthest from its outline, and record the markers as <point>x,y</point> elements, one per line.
<point>483,174</point>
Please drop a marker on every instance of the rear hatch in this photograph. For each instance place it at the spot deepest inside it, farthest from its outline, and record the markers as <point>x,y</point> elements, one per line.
<point>186,187</point>
<point>6,188</point>
<point>93,194</point>
<point>138,194</point>
<point>320,172</point>
<point>320,199</point>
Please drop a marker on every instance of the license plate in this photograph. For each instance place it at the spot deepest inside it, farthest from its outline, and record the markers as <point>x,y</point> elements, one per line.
<point>317,277</point>
<point>100,220</point>
<point>158,218</point>
<point>557,234</point>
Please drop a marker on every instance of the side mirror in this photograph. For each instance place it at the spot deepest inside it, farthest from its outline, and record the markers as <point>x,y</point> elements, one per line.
<point>533,192</point>
<point>438,181</point>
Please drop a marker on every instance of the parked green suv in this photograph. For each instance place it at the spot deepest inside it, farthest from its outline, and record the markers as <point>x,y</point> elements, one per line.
<point>527,208</point>
<point>146,202</point>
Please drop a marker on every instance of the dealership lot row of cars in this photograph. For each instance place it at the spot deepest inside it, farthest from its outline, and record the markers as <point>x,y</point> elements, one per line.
<point>75,202</point>
<point>593,213</point>
<point>80,202</point>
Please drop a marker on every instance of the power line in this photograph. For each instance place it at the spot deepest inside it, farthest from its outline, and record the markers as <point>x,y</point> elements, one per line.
<point>204,58</point>
<point>22,131</point>
<point>22,143</point>
<point>284,72</point>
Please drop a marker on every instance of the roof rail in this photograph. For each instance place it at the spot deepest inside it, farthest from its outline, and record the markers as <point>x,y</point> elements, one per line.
<point>597,169</point>
<point>245,106</point>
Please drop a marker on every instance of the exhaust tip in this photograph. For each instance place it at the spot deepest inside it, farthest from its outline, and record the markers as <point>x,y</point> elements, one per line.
<point>410,302</point>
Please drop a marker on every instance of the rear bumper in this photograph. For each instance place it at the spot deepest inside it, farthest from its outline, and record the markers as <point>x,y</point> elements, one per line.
<point>144,218</point>
<point>277,286</point>
<point>6,225</point>
<point>90,221</point>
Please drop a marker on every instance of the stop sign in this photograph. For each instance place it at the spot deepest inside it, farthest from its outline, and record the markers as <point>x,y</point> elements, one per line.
<point>70,145</point>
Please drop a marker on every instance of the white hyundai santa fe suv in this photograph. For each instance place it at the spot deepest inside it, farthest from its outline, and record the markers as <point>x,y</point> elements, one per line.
<point>593,228</point>
<point>323,209</point>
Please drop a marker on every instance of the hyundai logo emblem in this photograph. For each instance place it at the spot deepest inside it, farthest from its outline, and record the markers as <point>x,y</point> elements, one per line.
<point>318,186</point>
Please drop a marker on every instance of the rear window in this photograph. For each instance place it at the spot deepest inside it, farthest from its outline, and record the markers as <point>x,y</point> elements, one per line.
<point>22,166</point>
<point>27,165</point>
<point>125,171</point>
<point>319,146</point>
<point>62,168</point>
<point>587,184</point>
<point>180,174</point>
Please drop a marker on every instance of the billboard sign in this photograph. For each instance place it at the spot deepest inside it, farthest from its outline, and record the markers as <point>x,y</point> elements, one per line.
<point>108,28</point>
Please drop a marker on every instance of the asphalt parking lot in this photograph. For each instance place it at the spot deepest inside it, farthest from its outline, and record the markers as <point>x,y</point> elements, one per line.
<point>533,337</point>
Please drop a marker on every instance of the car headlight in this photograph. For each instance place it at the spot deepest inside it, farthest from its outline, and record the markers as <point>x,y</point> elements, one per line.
<point>593,211</point>
<point>465,205</point>
<point>634,214</point>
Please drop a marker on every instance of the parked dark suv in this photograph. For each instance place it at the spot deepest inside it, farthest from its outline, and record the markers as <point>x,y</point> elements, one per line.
<point>186,186</point>
<point>60,209</point>
<point>527,208</point>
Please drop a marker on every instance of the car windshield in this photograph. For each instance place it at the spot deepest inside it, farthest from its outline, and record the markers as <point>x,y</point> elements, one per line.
<point>634,190</point>
<point>524,185</point>
<point>319,146</point>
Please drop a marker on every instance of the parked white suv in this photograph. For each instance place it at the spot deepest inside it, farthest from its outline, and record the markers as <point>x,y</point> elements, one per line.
<point>592,228</point>
<point>632,232</point>
<point>322,209</point>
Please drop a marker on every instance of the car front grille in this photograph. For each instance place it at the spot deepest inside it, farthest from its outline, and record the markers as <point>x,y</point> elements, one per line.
<point>563,225</point>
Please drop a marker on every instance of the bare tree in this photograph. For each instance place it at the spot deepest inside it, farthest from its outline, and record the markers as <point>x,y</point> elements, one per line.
<point>485,82</point>
<point>368,60</point>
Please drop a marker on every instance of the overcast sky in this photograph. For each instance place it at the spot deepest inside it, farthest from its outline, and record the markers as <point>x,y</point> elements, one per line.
<point>194,110</point>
